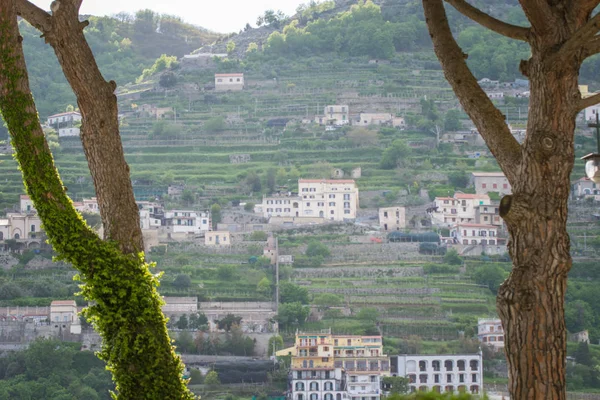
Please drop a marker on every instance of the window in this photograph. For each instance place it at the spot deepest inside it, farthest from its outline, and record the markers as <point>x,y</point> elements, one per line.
<point>347,204</point>
<point>230,79</point>
<point>449,378</point>
<point>321,204</point>
<point>32,228</point>
<point>495,186</point>
<point>305,189</point>
<point>238,79</point>
<point>331,204</point>
<point>474,378</point>
<point>332,212</point>
<point>307,204</point>
<point>347,197</point>
<point>346,211</point>
<point>461,378</point>
<point>332,196</point>
<point>505,186</point>
<point>483,185</point>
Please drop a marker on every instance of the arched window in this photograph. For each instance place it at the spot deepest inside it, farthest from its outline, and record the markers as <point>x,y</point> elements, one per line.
<point>328,396</point>
<point>314,386</point>
<point>299,386</point>
<point>474,389</point>
<point>328,386</point>
<point>17,236</point>
<point>314,396</point>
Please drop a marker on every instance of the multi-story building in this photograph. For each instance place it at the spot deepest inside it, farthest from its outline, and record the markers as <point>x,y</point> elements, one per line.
<point>392,218</point>
<point>485,182</point>
<point>479,234</point>
<point>366,119</point>
<point>458,209</point>
<point>584,187</point>
<point>491,332</point>
<point>488,214</point>
<point>225,82</point>
<point>331,199</point>
<point>217,238</point>
<point>334,115</point>
<point>64,120</point>
<point>441,373</point>
<point>25,224</point>
<point>187,221</point>
<point>335,367</point>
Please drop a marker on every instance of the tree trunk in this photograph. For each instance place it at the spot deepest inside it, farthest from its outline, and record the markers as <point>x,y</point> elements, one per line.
<point>127,307</point>
<point>100,123</point>
<point>531,301</point>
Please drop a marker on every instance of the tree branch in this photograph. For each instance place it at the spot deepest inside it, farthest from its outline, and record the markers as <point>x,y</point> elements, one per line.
<point>539,13</point>
<point>592,47</point>
<point>588,102</point>
<point>501,27</point>
<point>488,119</point>
<point>37,17</point>
<point>579,39</point>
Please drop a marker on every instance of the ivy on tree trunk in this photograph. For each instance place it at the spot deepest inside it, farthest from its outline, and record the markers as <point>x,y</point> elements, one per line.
<point>126,308</point>
<point>531,301</point>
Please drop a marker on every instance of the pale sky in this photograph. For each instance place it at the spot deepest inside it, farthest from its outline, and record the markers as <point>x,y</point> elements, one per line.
<point>220,16</point>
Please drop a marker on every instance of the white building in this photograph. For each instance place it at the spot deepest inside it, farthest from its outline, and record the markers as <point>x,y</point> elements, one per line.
<point>68,132</point>
<point>441,373</point>
<point>331,199</point>
<point>366,119</point>
<point>187,221</point>
<point>584,187</point>
<point>392,218</point>
<point>485,182</point>
<point>491,332</point>
<point>62,120</point>
<point>226,82</point>
<point>475,234</point>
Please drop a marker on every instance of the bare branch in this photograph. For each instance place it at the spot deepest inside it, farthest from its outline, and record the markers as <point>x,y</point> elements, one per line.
<point>503,28</point>
<point>579,39</point>
<point>488,119</point>
<point>592,47</point>
<point>37,17</point>
<point>588,102</point>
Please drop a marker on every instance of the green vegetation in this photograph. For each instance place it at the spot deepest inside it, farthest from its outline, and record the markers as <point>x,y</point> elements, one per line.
<point>50,369</point>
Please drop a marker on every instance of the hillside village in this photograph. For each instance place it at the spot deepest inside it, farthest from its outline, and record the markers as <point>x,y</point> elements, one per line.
<point>337,214</point>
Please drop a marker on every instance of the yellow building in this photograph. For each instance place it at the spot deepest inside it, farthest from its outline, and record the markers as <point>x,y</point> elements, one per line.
<point>335,367</point>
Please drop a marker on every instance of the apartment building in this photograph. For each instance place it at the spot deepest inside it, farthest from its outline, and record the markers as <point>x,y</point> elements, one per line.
<point>458,209</point>
<point>336,367</point>
<point>24,224</point>
<point>187,221</point>
<point>485,182</point>
<point>479,234</point>
<point>441,373</point>
<point>491,332</point>
<point>392,218</point>
<point>331,199</point>
<point>334,115</point>
<point>64,120</point>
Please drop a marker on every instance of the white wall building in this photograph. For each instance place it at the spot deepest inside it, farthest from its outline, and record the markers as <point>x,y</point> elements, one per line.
<point>333,199</point>
<point>458,209</point>
<point>590,113</point>
<point>441,373</point>
<point>330,199</point>
<point>187,221</point>
<point>68,132</point>
<point>475,234</point>
<point>65,119</point>
<point>225,82</point>
<point>392,218</point>
<point>491,332</point>
<point>21,225</point>
<point>375,119</point>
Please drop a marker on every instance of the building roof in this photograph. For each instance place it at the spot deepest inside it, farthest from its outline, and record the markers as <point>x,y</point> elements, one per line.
<point>24,197</point>
<point>489,174</point>
<point>63,303</point>
<point>326,181</point>
<point>185,300</point>
<point>470,196</point>
<point>64,114</point>
<point>469,225</point>
<point>445,198</point>
<point>236,74</point>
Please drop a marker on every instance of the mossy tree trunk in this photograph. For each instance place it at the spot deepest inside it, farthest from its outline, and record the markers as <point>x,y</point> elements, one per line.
<point>531,301</point>
<point>127,307</point>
